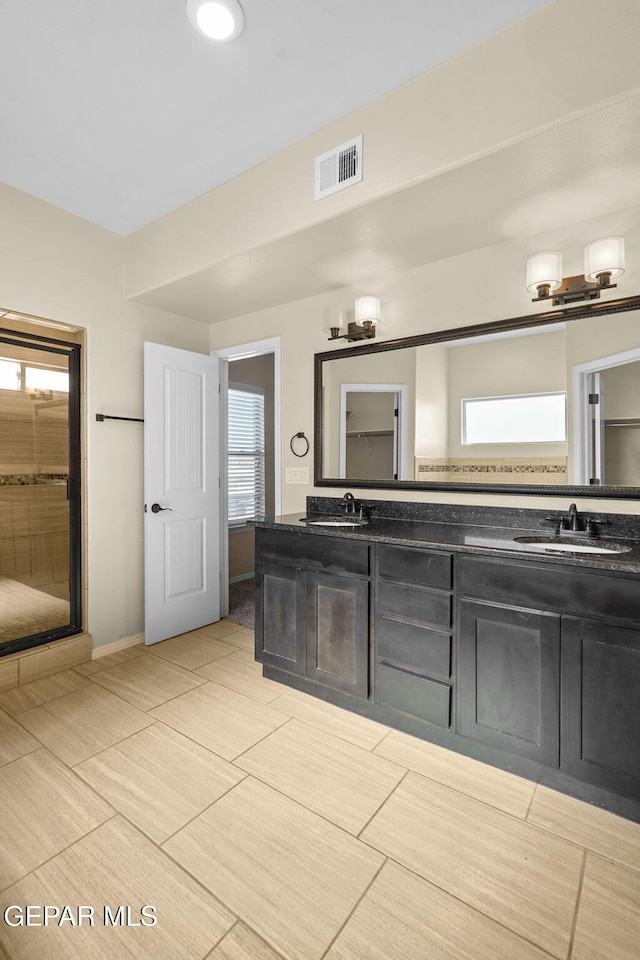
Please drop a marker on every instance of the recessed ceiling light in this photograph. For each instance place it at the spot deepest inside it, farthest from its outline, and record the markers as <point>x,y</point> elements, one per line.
<point>217,19</point>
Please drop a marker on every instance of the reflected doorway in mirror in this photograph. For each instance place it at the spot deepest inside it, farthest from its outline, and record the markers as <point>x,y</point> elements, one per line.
<point>372,431</point>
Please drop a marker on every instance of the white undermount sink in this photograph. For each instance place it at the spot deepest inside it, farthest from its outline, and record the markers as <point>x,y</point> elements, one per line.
<point>571,545</point>
<point>335,522</point>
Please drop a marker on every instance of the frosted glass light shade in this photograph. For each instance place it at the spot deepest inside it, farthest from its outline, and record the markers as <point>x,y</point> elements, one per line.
<point>604,256</point>
<point>544,268</point>
<point>334,318</point>
<point>217,19</point>
<point>367,308</point>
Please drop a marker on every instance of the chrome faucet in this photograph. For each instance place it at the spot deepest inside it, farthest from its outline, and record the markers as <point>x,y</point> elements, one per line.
<point>574,524</point>
<point>574,518</point>
<point>349,502</point>
<point>567,524</point>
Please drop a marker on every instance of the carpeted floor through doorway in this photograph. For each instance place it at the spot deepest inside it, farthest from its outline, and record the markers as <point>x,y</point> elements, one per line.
<point>242,603</point>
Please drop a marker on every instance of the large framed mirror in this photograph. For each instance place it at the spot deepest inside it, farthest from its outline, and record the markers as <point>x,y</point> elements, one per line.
<point>547,403</point>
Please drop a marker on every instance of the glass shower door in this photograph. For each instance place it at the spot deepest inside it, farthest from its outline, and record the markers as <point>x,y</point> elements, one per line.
<point>39,491</point>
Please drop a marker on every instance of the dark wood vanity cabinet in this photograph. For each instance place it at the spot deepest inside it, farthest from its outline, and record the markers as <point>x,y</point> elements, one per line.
<point>413,632</point>
<point>549,667</point>
<point>312,614</point>
<point>479,653</point>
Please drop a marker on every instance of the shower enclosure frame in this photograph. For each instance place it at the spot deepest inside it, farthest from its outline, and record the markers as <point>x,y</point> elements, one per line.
<point>73,352</point>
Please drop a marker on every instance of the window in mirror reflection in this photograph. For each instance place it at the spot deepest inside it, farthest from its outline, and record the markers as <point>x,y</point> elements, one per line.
<point>42,378</point>
<point>9,375</point>
<point>529,418</point>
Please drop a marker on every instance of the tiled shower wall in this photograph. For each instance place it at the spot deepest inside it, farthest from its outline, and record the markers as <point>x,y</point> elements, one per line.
<point>33,434</point>
<point>34,518</point>
<point>34,535</point>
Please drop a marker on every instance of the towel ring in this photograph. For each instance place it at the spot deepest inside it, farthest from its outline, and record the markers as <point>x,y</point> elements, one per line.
<point>295,437</point>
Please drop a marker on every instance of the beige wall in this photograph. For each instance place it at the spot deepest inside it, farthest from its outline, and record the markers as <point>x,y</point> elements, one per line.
<point>57,266</point>
<point>622,391</point>
<point>594,338</point>
<point>432,399</point>
<point>370,458</point>
<point>622,444</point>
<point>241,554</point>
<point>369,410</point>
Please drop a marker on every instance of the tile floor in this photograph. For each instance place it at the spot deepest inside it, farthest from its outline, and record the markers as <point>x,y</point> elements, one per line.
<point>262,824</point>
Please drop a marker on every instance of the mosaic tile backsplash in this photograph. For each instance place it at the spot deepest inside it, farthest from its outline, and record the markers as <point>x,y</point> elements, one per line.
<point>507,470</point>
<point>30,479</point>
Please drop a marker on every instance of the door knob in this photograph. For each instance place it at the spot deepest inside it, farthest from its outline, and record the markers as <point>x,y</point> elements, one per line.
<point>156,508</point>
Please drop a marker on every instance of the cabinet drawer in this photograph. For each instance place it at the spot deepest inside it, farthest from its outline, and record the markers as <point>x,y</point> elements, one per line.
<point>413,694</point>
<point>400,600</point>
<point>417,648</point>
<point>423,567</point>
<point>564,590</point>
<point>317,552</point>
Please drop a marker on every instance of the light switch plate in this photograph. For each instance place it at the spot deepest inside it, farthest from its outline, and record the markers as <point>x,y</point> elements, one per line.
<point>297,475</point>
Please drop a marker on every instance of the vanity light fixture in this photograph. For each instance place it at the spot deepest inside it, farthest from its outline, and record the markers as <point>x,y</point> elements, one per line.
<point>367,317</point>
<point>217,19</point>
<point>603,262</point>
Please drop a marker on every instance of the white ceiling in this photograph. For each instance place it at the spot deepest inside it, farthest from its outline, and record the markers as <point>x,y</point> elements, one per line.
<point>119,112</point>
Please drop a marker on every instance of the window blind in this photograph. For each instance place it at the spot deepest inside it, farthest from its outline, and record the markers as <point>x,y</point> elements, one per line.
<point>246,464</point>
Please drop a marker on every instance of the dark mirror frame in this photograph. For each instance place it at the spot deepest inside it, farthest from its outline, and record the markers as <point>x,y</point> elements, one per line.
<point>515,323</point>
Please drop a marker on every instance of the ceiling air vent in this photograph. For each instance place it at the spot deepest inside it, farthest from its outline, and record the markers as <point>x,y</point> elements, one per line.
<point>339,168</point>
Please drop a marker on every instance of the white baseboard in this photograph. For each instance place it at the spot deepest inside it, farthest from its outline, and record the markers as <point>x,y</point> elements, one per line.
<point>243,576</point>
<point>122,644</point>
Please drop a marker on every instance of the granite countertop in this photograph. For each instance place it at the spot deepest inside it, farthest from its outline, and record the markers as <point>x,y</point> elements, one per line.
<point>463,535</point>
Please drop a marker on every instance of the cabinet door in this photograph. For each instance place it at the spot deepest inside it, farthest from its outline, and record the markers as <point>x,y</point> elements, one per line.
<point>600,712</point>
<point>280,611</point>
<point>338,632</point>
<point>508,677</point>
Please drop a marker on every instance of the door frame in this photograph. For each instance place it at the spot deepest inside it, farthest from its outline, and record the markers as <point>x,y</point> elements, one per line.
<point>244,351</point>
<point>581,412</point>
<point>400,391</point>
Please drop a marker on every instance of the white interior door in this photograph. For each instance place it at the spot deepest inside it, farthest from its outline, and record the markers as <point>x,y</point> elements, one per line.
<point>181,491</point>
